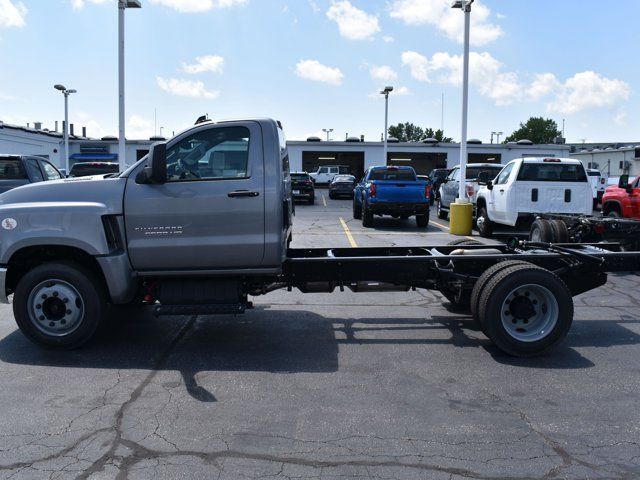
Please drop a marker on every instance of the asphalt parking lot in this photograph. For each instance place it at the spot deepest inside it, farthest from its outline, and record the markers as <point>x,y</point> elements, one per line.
<point>343,385</point>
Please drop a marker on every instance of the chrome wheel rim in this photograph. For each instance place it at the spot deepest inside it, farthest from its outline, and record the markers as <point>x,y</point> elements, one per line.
<point>480,222</point>
<point>529,313</point>
<point>56,308</point>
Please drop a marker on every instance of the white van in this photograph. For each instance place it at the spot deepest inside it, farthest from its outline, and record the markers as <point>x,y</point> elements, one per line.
<point>529,186</point>
<point>325,173</point>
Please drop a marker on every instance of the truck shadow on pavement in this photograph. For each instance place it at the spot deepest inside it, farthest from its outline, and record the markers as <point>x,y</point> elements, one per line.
<point>287,341</point>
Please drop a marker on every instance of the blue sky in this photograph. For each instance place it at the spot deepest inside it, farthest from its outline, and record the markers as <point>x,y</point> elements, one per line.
<point>319,64</point>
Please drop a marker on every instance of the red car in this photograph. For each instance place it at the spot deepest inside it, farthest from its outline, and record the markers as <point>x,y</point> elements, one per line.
<point>622,200</point>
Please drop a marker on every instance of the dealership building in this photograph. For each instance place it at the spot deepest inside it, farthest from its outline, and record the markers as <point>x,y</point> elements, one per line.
<point>308,155</point>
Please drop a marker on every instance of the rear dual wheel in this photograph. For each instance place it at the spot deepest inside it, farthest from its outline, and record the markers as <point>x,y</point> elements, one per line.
<point>524,309</point>
<point>549,231</point>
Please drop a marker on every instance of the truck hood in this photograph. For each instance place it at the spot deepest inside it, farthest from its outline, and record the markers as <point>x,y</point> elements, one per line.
<point>96,189</point>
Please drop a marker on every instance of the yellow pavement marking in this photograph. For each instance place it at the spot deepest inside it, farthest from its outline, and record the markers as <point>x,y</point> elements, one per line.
<point>324,200</point>
<point>440,225</point>
<point>352,242</point>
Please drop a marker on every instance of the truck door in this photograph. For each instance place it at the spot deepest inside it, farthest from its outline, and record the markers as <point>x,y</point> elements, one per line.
<point>210,212</point>
<point>498,197</point>
<point>450,189</point>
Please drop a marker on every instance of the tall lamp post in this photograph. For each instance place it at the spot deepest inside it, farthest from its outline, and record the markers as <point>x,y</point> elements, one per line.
<point>386,92</point>
<point>66,92</point>
<point>461,215</point>
<point>122,5</point>
<point>327,131</point>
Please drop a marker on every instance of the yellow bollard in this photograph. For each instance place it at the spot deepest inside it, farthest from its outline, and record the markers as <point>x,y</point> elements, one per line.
<point>461,218</point>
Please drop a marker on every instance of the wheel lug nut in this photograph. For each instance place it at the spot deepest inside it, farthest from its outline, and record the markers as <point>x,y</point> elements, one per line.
<point>55,294</point>
<point>44,295</point>
<point>38,306</point>
<point>65,300</point>
<point>507,312</point>
<point>68,312</point>
<point>63,321</point>
<point>52,324</point>
<point>535,302</point>
<point>41,317</point>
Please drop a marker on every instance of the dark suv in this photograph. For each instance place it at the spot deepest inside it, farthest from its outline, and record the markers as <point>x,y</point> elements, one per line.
<point>17,170</point>
<point>86,169</point>
<point>302,187</point>
<point>437,175</point>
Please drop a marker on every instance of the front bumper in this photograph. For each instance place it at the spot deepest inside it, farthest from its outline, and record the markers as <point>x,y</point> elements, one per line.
<point>384,208</point>
<point>3,287</point>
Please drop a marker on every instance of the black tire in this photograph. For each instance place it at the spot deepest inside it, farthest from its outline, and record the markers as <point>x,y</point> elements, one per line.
<point>367,217</point>
<point>485,226</point>
<point>503,289</point>
<point>357,210</point>
<point>614,214</point>
<point>442,215</point>
<point>422,221</point>
<point>541,231</point>
<point>312,200</point>
<point>483,281</point>
<point>89,303</point>
<point>332,196</point>
<point>560,231</point>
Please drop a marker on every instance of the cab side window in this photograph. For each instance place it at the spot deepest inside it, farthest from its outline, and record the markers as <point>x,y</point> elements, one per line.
<point>213,154</point>
<point>503,176</point>
<point>323,170</point>
<point>50,171</point>
<point>452,175</point>
<point>34,170</point>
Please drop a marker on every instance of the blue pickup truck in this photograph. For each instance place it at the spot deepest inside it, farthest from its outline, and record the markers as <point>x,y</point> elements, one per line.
<point>394,191</point>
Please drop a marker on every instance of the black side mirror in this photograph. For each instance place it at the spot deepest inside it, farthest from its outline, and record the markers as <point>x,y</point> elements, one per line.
<point>623,183</point>
<point>483,178</point>
<point>156,169</point>
<point>489,185</point>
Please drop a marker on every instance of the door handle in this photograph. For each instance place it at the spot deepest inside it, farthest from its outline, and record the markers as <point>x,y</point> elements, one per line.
<point>242,193</point>
<point>501,191</point>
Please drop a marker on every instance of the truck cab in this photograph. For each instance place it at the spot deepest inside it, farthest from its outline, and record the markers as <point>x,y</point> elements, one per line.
<point>622,200</point>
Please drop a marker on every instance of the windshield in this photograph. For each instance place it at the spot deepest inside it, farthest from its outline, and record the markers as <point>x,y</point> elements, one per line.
<point>393,174</point>
<point>474,172</point>
<point>552,172</point>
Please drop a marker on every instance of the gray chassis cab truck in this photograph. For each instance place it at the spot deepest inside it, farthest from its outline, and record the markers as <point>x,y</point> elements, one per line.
<point>204,221</point>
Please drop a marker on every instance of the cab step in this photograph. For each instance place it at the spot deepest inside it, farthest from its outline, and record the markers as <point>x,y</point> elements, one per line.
<point>210,309</point>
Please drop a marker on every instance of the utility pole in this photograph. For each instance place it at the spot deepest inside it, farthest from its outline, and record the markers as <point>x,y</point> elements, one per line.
<point>386,92</point>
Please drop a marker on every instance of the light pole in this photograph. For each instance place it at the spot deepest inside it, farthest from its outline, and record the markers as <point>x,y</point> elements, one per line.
<point>66,92</point>
<point>386,92</point>
<point>122,5</point>
<point>462,211</point>
<point>327,131</point>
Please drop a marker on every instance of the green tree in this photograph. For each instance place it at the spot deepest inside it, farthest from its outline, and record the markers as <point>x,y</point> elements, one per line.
<point>408,132</point>
<point>437,134</point>
<point>536,129</point>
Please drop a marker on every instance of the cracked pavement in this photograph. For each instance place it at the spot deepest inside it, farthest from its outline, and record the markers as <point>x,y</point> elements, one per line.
<point>326,386</point>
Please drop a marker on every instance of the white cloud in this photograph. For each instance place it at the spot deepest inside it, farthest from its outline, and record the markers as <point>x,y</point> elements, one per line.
<point>139,127</point>
<point>383,72</point>
<point>586,90</point>
<point>12,14</point>
<point>196,6</point>
<point>542,85</point>
<point>621,117</point>
<point>388,39</point>
<point>353,23</point>
<point>485,73</point>
<point>94,128</point>
<point>439,14</point>
<point>418,65</point>
<point>207,63</point>
<point>185,88</point>
<point>314,6</point>
<point>79,4</point>
<point>314,70</point>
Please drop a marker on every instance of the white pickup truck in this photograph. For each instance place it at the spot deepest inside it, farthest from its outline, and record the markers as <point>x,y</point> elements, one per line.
<point>529,186</point>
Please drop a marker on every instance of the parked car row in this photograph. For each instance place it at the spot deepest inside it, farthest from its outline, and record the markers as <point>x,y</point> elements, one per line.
<point>17,170</point>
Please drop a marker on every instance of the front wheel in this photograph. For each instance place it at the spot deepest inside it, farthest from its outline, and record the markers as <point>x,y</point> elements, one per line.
<point>59,305</point>
<point>312,200</point>
<point>485,226</point>
<point>367,217</point>
<point>442,215</point>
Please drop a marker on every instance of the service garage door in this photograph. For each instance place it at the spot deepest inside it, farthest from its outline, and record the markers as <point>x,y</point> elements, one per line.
<point>354,160</point>
<point>421,162</point>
